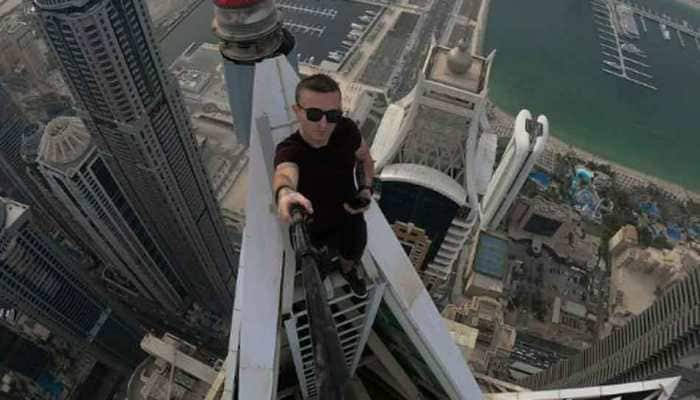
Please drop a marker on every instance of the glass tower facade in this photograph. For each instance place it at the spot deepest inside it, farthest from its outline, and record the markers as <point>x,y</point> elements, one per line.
<point>133,108</point>
<point>38,277</point>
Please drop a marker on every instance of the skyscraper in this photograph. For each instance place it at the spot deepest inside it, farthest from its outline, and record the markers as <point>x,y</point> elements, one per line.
<point>13,128</point>
<point>435,154</point>
<point>662,341</point>
<point>80,178</point>
<point>132,106</point>
<point>525,146</point>
<point>19,177</point>
<point>38,277</point>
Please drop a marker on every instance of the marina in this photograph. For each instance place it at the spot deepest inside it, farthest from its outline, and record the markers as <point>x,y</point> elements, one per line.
<point>616,25</point>
<point>666,23</point>
<point>620,58</point>
<point>624,121</point>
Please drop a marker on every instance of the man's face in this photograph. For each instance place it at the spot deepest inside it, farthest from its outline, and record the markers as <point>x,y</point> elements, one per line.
<point>316,133</point>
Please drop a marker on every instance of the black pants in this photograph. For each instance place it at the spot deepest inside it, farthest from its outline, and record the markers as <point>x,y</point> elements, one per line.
<point>348,238</point>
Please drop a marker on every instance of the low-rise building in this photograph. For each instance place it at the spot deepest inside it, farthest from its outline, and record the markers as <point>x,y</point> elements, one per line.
<point>463,335</point>
<point>495,339</point>
<point>176,370</point>
<point>639,276</point>
<point>558,227</point>
<point>627,237</point>
<point>488,266</point>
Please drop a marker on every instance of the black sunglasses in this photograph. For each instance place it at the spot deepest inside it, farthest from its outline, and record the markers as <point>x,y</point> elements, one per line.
<point>315,114</point>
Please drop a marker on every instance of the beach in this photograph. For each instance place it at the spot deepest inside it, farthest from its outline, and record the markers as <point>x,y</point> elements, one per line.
<point>502,123</point>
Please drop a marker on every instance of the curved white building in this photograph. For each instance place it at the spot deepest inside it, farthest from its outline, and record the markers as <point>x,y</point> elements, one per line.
<point>525,147</point>
<point>436,141</point>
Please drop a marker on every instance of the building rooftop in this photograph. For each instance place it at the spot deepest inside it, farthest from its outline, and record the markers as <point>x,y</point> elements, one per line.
<point>199,71</point>
<point>494,286</point>
<point>491,257</point>
<point>463,335</point>
<point>65,140</point>
<point>473,80</point>
<point>557,226</point>
<point>150,382</point>
<point>574,308</point>
<point>12,23</point>
<point>10,212</point>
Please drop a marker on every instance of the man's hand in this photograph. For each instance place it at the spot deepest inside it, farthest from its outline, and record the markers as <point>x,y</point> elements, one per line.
<point>286,198</point>
<point>364,194</point>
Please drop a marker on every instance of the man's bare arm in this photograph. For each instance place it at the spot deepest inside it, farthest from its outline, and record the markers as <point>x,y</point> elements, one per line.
<point>286,175</point>
<point>284,185</point>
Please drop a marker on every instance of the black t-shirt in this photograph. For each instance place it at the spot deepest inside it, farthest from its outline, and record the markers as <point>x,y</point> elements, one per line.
<point>325,173</point>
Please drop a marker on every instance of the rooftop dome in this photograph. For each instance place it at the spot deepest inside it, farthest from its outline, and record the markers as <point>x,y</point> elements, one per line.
<point>459,59</point>
<point>65,139</point>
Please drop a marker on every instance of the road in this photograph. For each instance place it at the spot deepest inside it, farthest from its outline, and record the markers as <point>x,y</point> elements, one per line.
<point>434,18</point>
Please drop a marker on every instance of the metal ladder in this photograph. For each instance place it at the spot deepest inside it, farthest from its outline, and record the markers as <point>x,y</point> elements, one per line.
<point>353,319</point>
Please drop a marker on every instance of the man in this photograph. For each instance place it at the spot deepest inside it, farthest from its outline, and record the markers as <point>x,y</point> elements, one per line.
<point>314,168</point>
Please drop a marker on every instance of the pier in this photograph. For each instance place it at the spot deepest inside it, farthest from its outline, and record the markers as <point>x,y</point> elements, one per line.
<point>617,56</point>
<point>618,60</point>
<point>680,38</point>
<point>638,82</point>
<point>663,19</point>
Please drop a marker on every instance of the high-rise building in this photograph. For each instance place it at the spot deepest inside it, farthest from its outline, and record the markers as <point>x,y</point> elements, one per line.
<point>663,341</point>
<point>132,106</point>
<point>80,178</point>
<point>435,156</point>
<point>14,127</point>
<point>19,176</point>
<point>38,277</point>
<point>525,147</point>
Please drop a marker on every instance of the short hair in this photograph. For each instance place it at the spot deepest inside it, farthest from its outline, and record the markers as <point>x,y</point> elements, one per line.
<point>320,83</point>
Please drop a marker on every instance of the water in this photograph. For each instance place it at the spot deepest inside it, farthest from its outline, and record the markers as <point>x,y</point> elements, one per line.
<point>548,60</point>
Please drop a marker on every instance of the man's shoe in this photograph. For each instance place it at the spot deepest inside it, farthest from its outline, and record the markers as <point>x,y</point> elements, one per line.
<point>357,283</point>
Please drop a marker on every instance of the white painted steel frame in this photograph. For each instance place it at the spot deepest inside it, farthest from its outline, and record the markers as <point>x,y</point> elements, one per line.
<point>263,258</point>
<point>263,249</point>
<point>413,308</point>
<point>371,306</point>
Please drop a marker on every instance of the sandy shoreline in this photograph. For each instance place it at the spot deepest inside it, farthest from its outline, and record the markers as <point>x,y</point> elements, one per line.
<point>504,121</point>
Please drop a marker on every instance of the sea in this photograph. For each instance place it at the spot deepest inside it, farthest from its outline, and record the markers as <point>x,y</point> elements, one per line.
<point>548,60</point>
